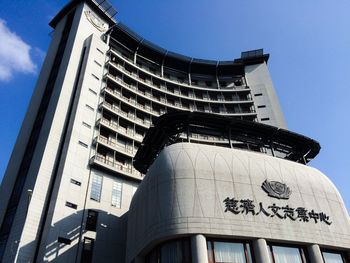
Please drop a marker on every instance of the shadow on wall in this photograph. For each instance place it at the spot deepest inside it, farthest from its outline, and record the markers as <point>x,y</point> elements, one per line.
<point>65,235</point>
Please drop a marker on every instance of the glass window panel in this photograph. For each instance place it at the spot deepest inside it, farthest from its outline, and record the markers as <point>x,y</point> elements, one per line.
<point>332,257</point>
<point>171,252</point>
<point>117,194</point>
<point>229,252</point>
<point>88,247</point>
<point>96,187</point>
<point>91,221</point>
<point>210,252</point>
<point>250,260</point>
<point>286,254</point>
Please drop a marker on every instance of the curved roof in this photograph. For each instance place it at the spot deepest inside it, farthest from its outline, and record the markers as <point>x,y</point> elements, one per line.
<point>101,7</point>
<point>169,59</point>
<point>176,61</point>
<point>294,146</point>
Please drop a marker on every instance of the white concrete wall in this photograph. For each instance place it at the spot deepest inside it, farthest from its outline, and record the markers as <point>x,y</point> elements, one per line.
<point>74,162</point>
<point>21,237</point>
<point>56,117</point>
<point>67,222</point>
<point>24,134</point>
<point>183,193</point>
<point>259,80</point>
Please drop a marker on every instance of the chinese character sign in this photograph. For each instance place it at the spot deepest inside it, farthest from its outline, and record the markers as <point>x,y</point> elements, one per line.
<point>247,206</point>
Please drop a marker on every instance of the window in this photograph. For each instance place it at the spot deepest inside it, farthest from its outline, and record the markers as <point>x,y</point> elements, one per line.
<point>95,76</point>
<point>284,254</point>
<point>91,221</point>
<point>64,240</point>
<point>75,182</point>
<point>89,107</point>
<point>92,91</point>
<point>97,63</point>
<point>88,248</point>
<point>265,119</point>
<point>99,50</point>
<point>258,94</point>
<point>333,257</point>
<point>83,144</point>
<point>229,252</point>
<point>177,251</point>
<point>117,194</point>
<point>96,187</point>
<point>86,125</point>
<point>261,106</point>
<point>71,205</point>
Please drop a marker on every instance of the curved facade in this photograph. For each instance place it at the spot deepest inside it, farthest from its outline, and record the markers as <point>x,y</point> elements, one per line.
<point>143,81</point>
<point>191,189</point>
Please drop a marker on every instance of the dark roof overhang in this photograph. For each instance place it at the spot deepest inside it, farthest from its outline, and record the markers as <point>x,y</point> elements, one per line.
<point>183,63</point>
<point>297,147</point>
<point>101,7</point>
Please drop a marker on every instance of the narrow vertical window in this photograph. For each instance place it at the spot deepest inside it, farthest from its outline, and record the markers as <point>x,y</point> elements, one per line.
<point>96,187</point>
<point>88,248</point>
<point>117,194</point>
<point>91,221</point>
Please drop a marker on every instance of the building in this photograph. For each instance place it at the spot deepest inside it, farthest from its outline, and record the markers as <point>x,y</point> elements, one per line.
<point>70,180</point>
<point>205,203</point>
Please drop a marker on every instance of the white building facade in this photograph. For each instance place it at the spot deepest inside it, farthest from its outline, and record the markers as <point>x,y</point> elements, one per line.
<point>70,180</point>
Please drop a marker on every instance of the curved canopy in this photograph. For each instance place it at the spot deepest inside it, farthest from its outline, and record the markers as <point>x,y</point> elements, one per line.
<point>168,128</point>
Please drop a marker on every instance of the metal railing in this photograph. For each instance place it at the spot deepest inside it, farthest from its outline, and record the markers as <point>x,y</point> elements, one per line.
<point>118,167</point>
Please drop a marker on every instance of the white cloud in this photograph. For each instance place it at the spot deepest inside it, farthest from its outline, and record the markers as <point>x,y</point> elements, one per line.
<point>14,54</point>
<point>39,53</point>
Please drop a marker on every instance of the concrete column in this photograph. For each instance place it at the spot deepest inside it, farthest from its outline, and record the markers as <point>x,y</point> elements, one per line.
<point>315,254</point>
<point>261,251</point>
<point>199,249</point>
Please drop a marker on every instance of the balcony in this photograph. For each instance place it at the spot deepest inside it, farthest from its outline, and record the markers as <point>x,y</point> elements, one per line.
<point>114,146</point>
<point>163,101</point>
<point>171,79</point>
<point>119,129</point>
<point>117,111</point>
<point>116,167</point>
<point>208,138</point>
<point>130,101</point>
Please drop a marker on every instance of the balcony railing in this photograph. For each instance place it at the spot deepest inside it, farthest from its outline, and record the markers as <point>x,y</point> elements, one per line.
<point>132,102</point>
<point>116,167</point>
<point>176,105</point>
<point>204,98</point>
<point>171,79</point>
<point>121,130</point>
<point>114,146</point>
<point>116,110</point>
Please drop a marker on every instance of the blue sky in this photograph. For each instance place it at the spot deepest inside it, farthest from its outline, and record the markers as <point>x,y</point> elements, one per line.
<point>308,42</point>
